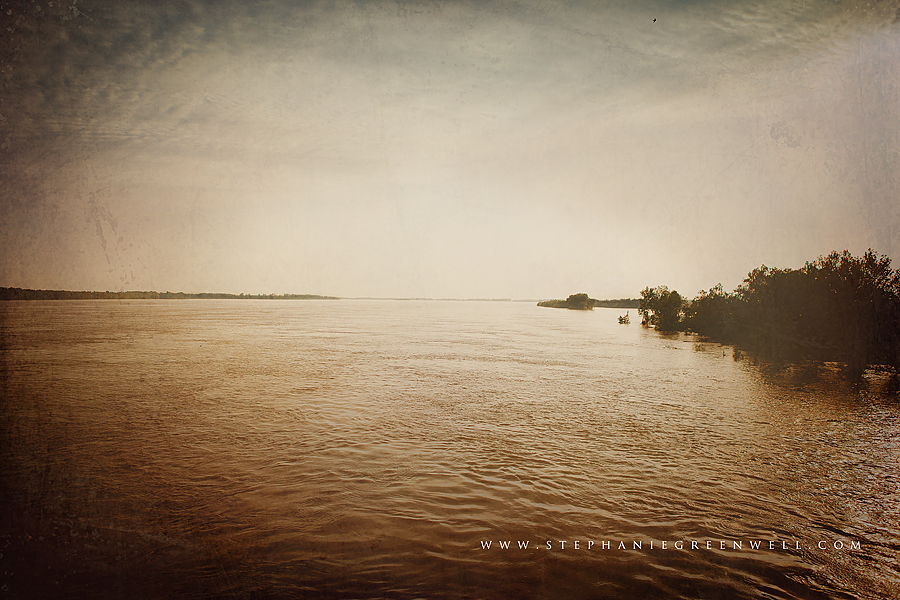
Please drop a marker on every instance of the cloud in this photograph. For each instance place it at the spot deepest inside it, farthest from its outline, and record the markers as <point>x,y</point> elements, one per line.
<point>396,128</point>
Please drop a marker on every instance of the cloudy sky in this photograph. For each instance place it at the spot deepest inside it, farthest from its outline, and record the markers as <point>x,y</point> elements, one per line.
<point>501,149</point>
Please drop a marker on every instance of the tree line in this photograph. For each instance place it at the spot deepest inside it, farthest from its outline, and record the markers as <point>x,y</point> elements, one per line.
<point>838,308</point>
<point>585,302</point>
<point>26,294</point>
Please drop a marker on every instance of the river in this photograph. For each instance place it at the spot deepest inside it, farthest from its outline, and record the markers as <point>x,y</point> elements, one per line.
<point>410,449</point>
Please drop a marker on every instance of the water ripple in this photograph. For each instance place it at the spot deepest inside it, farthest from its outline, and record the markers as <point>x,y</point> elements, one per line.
<point>369,449</point>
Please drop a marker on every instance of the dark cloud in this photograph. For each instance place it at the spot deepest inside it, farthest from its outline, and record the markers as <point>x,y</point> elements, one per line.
<point>75,65</point>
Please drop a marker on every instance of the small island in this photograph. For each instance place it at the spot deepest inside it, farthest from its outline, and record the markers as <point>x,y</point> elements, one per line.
<point>585,302</point>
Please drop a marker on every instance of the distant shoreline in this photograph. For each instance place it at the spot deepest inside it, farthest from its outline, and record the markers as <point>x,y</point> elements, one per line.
<point>14,293</point>
<point>26,294</point>
<point>586,303</point>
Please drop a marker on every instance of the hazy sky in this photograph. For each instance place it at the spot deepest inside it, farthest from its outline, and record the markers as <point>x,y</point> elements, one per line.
<point>527,149</point>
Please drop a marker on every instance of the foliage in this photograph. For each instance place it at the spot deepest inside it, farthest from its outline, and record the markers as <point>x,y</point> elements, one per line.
<point>580,302</point>
<point>617,303</point>
<point>836,308</point>
<point>661,308</point>
<point>573,302</point>
<point>594,303</point>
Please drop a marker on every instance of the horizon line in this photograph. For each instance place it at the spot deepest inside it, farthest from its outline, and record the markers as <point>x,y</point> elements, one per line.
<point>11,293</point>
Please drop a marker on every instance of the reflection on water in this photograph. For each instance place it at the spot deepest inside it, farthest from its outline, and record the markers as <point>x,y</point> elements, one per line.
<point>373,448</point>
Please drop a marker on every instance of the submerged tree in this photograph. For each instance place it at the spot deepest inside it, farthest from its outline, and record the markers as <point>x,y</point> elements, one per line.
<point>661,308</point>
<point>838,307</point>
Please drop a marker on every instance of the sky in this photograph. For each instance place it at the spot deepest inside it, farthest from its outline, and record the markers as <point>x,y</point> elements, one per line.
<point>523,150</point>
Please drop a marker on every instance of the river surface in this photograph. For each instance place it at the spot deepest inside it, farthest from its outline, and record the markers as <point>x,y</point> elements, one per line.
<point>392,449</point>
